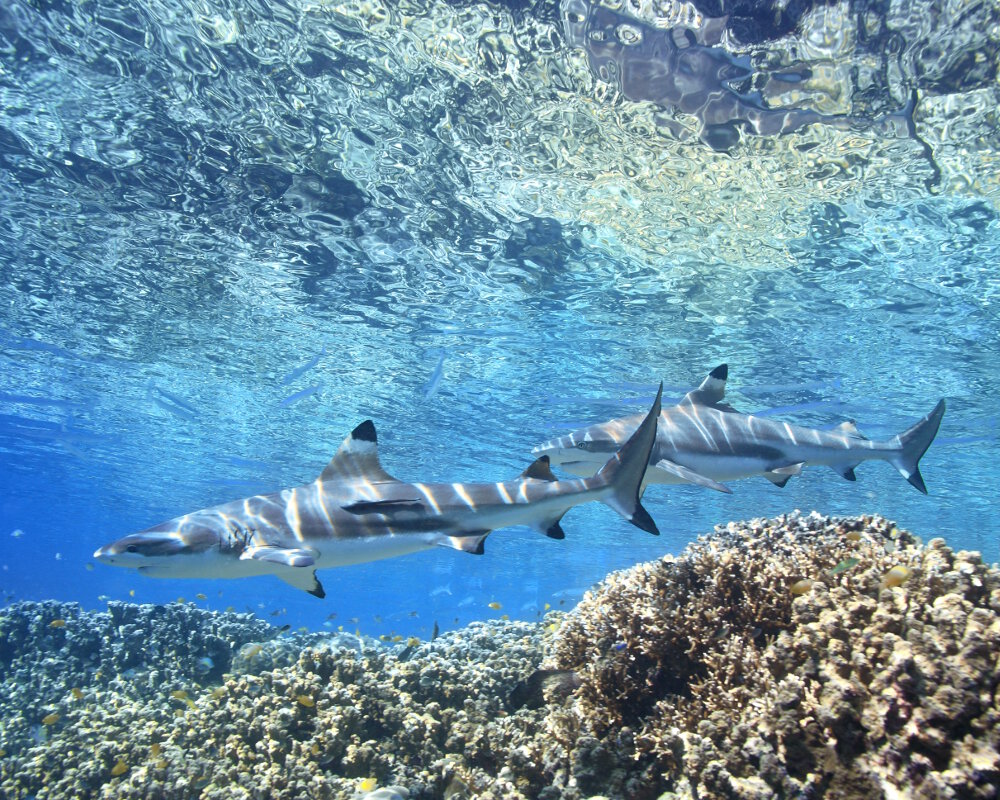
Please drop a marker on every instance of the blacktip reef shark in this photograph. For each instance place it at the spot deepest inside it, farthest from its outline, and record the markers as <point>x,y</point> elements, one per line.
<point>702,440</point>
<point>355,512</point>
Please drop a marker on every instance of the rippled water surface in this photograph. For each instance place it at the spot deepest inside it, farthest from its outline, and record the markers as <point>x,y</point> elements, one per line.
<point>229,232</point>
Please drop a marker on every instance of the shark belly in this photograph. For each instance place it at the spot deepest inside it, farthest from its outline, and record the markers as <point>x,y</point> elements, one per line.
<point>361,549</point>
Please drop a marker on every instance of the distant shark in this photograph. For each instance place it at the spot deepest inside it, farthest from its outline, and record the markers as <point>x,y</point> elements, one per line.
<point>703,441</point>
<point>355,512</point>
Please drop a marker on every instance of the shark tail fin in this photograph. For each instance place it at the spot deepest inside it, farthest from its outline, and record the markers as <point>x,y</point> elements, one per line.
<point>913,443</point>
<point>625,470</point>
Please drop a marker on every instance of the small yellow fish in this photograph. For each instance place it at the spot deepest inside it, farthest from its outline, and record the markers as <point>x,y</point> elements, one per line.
<point>50,719</point>
<point>251,650</point>
<point>397,638</point>
<point>367,785</point>
<point>131,592</point>
<point>505,617</point>
<point>120,768</point>
<point>181,600</point>
<point>77,694</point>
<point>57,623</point>
<point>896,576</point>
<point>217,692</point>
<point>853,536</point>
<point>801,587</point>
<point>314,749</point>
<point>413,641</point>
<point>548,606</point>
<point>179,694</point>
<point>305,700</point>
<point>154,751</point>
<point>495,605</point>
<point>201,596</point>
<point>230,609</point>
<point>553,627</point>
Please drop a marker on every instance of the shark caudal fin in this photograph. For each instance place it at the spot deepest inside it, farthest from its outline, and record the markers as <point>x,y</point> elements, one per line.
<point>625,470</point>
<point>913,443</point>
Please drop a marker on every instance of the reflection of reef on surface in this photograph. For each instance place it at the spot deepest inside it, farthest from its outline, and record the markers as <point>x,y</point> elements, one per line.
<point>801,656</point>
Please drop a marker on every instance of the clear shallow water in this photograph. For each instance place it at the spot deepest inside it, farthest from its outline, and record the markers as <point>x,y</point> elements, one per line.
<point>566,203</point>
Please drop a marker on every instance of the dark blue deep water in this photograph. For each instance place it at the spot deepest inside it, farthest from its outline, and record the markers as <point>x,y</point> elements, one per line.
<point>231,231</point>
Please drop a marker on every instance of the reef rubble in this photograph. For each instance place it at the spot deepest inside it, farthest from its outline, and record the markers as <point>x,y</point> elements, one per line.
<point>802,656</point>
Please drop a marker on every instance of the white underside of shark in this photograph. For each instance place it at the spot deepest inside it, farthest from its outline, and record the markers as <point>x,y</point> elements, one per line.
<point>703,441</point>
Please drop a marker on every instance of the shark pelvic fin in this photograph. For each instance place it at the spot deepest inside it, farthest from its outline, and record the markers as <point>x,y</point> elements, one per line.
<point>712,389</point>
<point>551,527</point>
<point>780,475</point>
<point>357,458</point>
<point>690,476</point>
<point>539,470</point>
<point>303,579</point>
<point>845,471</point>
<point>285,556</point>
<point>467,542</point>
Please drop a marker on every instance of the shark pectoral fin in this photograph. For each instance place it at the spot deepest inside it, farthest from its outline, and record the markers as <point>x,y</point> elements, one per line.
<point>304,579</point>
<point>384,507</point>
<point>690,476</point>
<point>467,542</point>
<point>539,470</point>
<point>285,556</point>
<point>846,471</point>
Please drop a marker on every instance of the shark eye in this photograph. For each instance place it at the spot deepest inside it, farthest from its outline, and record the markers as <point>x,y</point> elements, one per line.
<point>131,549</point>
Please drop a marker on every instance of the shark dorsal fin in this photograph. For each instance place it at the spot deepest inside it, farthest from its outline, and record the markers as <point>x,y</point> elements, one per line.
<point>539,469</point>
<point>357,458</point>
<point>849,428</point>
<point>712,389</point>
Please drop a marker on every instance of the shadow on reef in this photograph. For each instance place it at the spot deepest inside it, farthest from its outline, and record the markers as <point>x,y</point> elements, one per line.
<point>802,657</point>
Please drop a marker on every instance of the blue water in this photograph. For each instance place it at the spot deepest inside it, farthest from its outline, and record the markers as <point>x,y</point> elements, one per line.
<point>229,232</point>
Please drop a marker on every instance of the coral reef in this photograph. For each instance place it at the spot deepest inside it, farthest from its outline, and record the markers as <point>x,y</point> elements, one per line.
<point>717,675</point>
<point>797,657</point>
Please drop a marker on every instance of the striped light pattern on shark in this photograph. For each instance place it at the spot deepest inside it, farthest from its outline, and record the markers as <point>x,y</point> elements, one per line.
<point>703,441</point>
<point>355,512</point>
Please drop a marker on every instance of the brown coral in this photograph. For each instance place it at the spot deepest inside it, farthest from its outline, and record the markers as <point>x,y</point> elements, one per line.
<point>700,676</point>
<point>721,676</point>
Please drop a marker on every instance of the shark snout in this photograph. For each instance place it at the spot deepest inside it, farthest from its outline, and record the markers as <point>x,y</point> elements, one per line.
<point>141,549</point>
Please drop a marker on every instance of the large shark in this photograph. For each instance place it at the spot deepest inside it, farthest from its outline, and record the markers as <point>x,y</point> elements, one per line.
<point>702,440</point>
<point>355,512</point>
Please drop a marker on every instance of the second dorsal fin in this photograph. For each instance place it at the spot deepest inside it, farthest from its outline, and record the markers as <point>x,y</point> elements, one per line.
<point>539,470</point>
